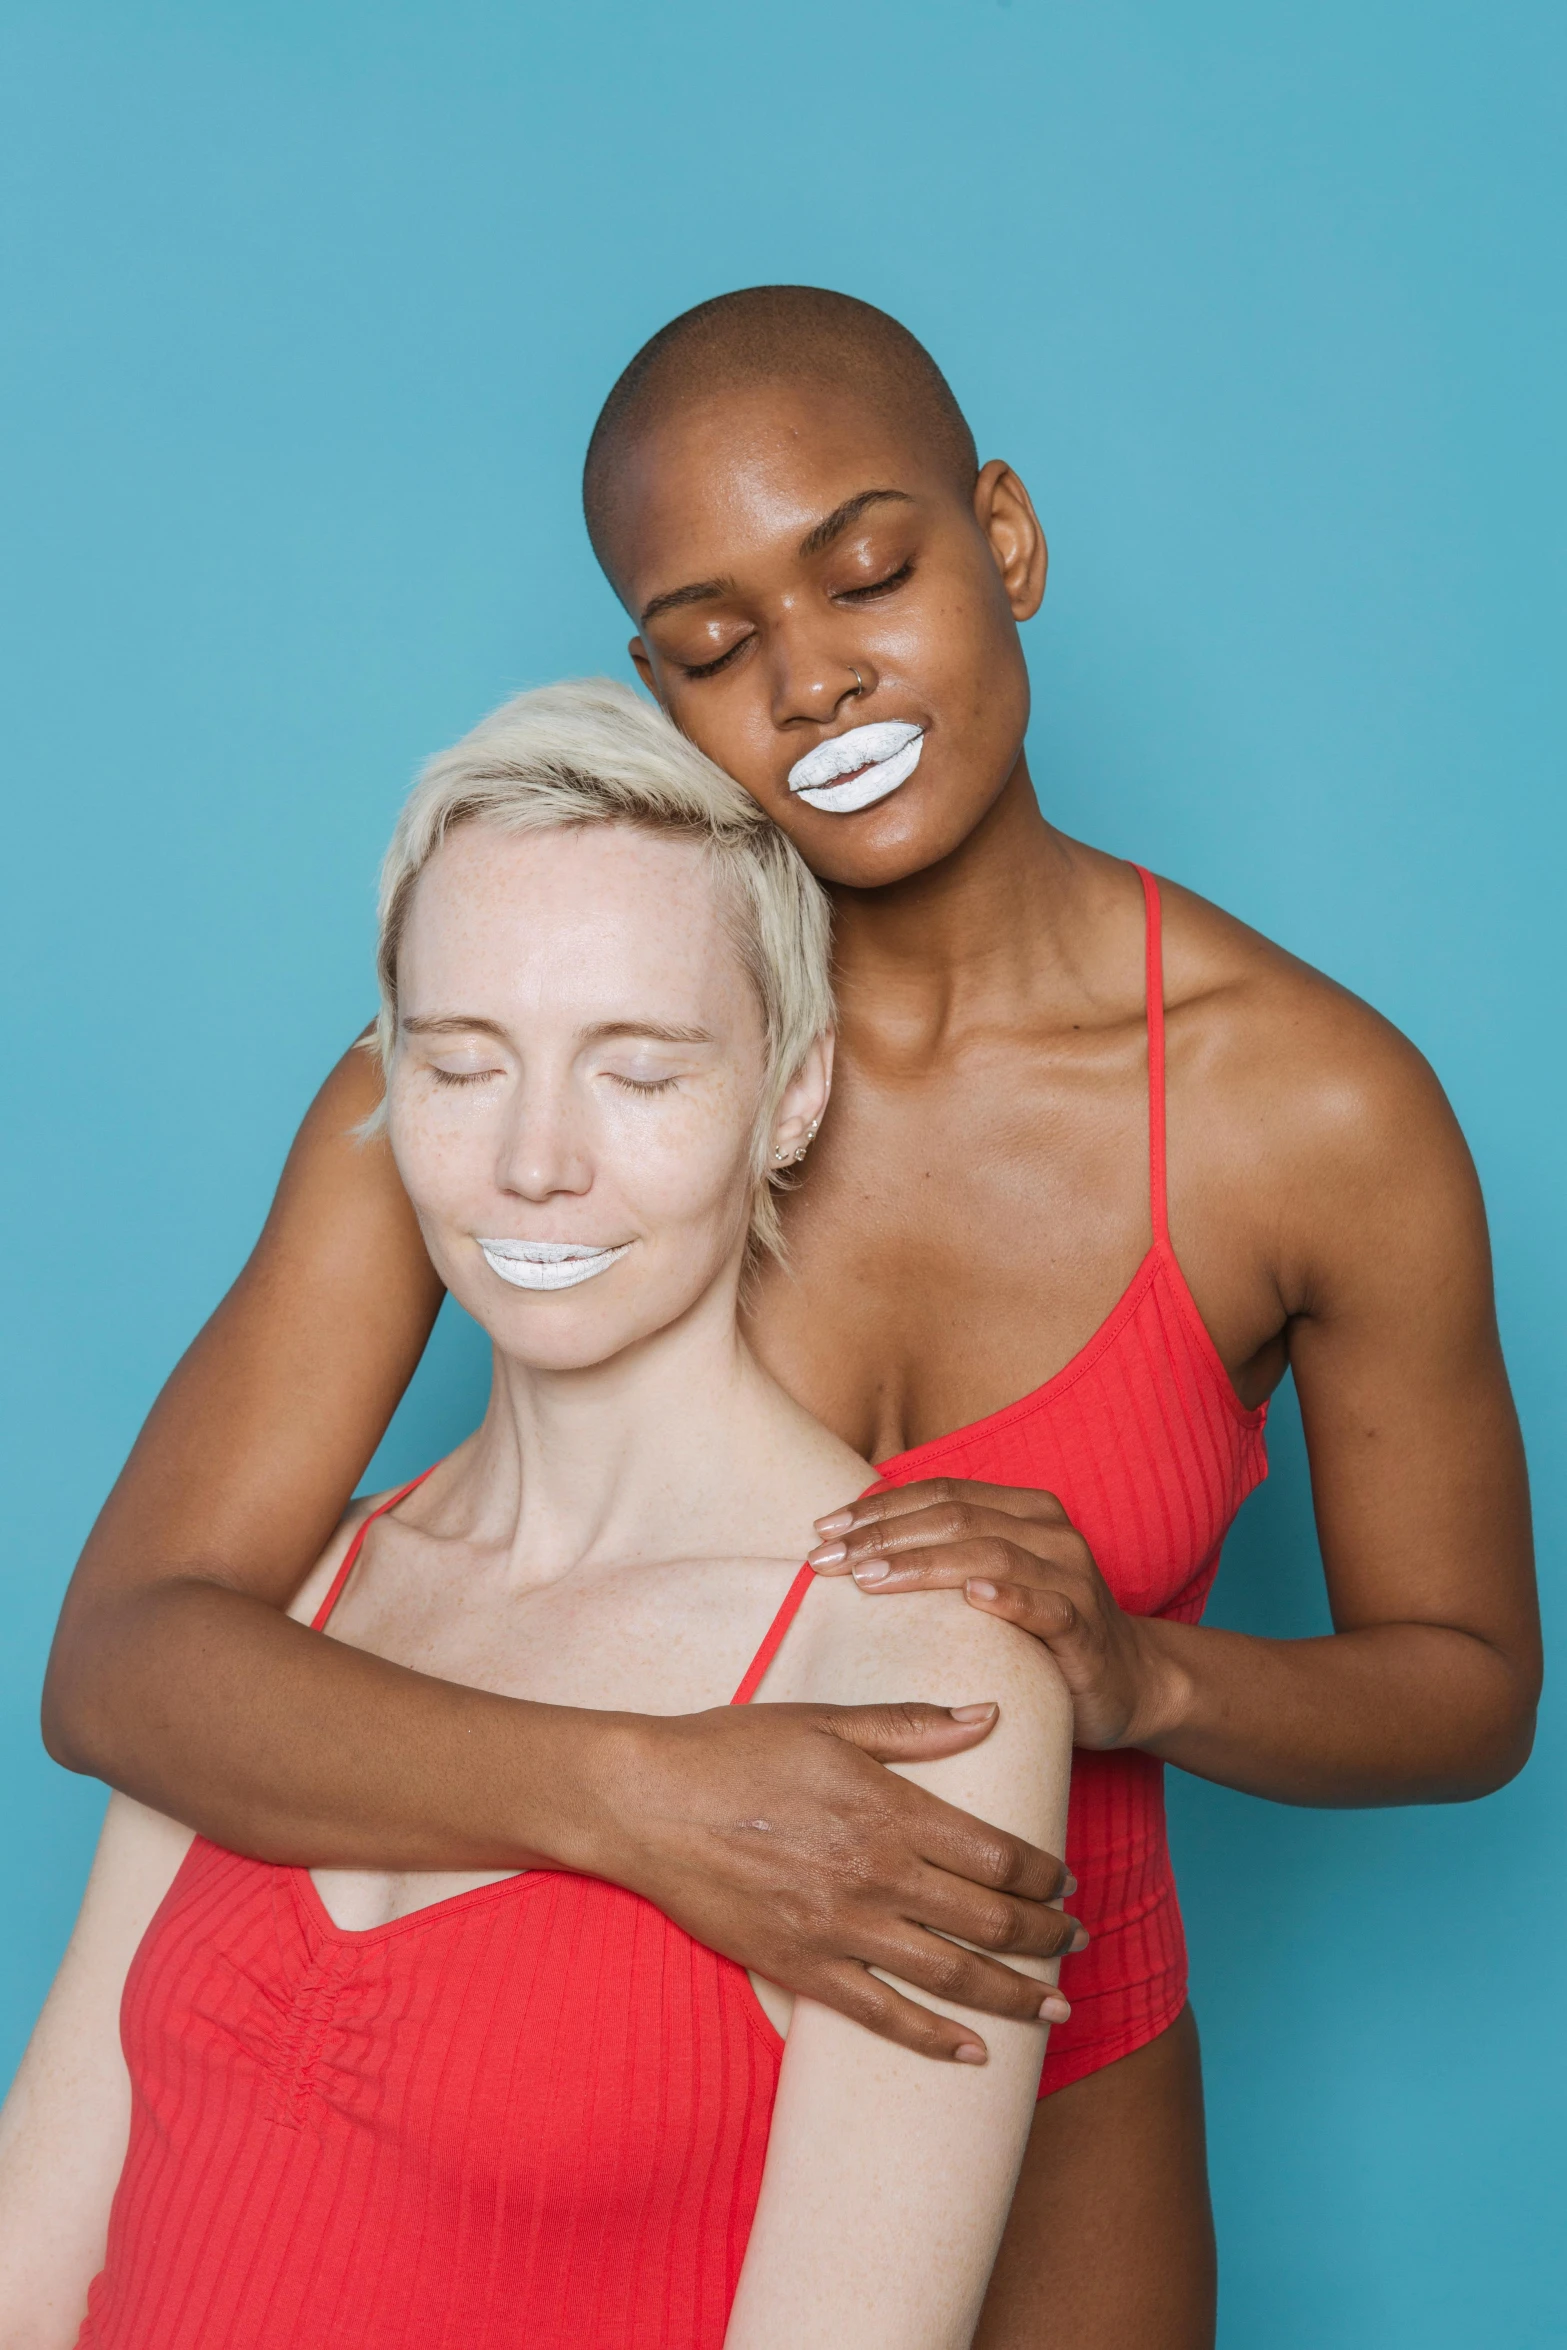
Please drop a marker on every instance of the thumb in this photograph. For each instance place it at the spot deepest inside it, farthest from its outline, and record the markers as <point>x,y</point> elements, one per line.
<point>912,1732</point>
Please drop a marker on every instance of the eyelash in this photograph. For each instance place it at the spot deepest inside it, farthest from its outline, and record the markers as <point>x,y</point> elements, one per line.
<point>646,1085</point>
<point>877,587</point>
<point>463,1076</point>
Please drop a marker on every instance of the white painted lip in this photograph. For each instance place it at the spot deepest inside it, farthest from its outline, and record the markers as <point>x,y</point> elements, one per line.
<point>857,769</point>
<point>547,1264</point>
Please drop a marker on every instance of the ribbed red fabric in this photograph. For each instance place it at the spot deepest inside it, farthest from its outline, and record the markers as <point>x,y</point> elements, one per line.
<point>537,2113</point>
<point>533,2114</point>
<point>1145,1444</point>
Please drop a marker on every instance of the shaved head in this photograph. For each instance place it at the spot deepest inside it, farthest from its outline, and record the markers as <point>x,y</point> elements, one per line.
<point>799,335</point>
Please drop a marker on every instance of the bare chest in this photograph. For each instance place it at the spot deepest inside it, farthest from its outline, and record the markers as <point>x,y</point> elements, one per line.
<point>959,1238</point>
<point>668,1639</point>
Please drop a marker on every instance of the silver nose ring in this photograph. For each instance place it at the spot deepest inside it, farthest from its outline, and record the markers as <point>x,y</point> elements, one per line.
<point>859,682</point>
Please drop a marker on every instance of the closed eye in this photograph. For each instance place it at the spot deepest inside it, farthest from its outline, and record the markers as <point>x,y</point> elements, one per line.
<point>711,668</point>
<point>877,587</point>
<point>644,1084</point>
<point>462,1076</point>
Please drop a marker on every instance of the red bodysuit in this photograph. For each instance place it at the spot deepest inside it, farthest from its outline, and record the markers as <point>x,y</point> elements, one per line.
<point>537,2113</point>
<point>1145,1444</point>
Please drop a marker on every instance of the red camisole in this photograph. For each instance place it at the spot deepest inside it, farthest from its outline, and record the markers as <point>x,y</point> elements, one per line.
<point>1145,1444</point>
<point>533,2114</point>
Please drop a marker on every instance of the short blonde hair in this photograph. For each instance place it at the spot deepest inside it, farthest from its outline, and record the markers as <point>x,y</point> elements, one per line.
<point>594,752</point>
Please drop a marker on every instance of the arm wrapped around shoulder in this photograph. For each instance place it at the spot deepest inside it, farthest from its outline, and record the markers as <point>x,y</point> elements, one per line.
<point>889,2176</point>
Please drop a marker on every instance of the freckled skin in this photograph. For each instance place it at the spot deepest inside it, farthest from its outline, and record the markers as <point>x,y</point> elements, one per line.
<point>530,1129</point>
<point>974,1205</point>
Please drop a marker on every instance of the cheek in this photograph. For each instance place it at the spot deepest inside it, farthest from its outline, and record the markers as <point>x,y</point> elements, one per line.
<point>441,1151</point>
<point>688,1166</point>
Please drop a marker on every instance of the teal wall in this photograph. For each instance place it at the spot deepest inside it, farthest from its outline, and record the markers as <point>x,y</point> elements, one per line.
<point>307,311</point>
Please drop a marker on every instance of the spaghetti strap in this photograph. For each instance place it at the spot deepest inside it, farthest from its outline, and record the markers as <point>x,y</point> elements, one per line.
<point>1154,997</point>
<point>318,1621</point>
<point>773,1637</point>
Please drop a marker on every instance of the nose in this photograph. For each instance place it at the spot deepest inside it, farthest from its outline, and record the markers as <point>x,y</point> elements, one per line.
<point>814,679</point>
<point>542,1153</point>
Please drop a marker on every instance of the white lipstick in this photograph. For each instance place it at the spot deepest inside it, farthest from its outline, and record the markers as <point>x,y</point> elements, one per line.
<point>547,1264</point>
<point>873,759</point>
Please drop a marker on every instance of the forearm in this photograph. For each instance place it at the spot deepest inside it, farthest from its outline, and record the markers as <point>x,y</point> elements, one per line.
<point>251,1453</point>
<point>1391,1713</point>
<point>214,1708</point>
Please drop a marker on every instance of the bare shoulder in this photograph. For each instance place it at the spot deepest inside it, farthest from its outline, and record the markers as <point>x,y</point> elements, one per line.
<point>318,1582</point>
<point>933,1648</point>
<point>858,1650</point>
<point>1291,1093</point>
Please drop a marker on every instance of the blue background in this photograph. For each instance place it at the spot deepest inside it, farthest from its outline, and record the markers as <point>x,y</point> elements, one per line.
<point>308,309</point>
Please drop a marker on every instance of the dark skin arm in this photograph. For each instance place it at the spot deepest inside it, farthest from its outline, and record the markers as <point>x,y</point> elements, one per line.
<point>176,1676</point>
<point>1380,1268</point>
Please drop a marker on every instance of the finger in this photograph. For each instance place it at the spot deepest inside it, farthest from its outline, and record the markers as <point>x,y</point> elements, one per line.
<point>1048,1615</point>
<point>935,1968</point>
<point>946,1839</point>
<point>855,1992</point>
<point>897,1501</point>
<point>914,1732</point>
<point>940,1527</point>
<point>965,1848</point>
<point>944,1911</point>
<point>980,1558</point>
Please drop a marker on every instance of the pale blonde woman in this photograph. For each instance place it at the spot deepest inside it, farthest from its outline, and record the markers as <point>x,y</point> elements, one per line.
<point>265,2106</point>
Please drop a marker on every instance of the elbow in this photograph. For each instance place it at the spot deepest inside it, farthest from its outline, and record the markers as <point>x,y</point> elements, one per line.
<point>65,1732</point>
<point>68,1716</point>
<point>1502,1745</point>
<point>1507,1756</point>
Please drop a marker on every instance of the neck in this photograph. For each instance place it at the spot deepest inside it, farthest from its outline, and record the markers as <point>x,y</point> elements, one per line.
<point>661,1452</point>
<point>1001,926</point>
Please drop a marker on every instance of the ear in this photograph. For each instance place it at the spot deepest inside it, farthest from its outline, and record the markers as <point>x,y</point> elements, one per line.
<point>644,667</point>
<point>804,1104</point>
<point>1005,513</point>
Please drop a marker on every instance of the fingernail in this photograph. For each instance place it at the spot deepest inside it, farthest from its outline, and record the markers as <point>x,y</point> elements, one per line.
<point>836,1522</point>
<point>870,1571</point>
<point>1081,1939</point>
<point>975,1713</point>
<point>970,2052</point>
<point>1055,2009</point>
<point>828,1554</point>
<point>978,1590</point>
<point>1069,1888</point>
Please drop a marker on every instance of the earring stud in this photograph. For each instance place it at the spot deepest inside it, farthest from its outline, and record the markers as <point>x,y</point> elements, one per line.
<point>785,1156</point>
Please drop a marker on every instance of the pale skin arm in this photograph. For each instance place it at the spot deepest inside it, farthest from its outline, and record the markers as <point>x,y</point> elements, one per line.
<point>835,2259</point>
<point>829,2261</point>
<point>65,2124</point>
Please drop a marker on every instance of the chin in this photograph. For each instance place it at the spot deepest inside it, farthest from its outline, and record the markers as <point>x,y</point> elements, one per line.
<point>899,837</point>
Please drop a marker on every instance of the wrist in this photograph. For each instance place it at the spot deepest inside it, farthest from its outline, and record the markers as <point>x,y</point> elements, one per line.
<point>600,1766</point>
<point>1165,1687</point>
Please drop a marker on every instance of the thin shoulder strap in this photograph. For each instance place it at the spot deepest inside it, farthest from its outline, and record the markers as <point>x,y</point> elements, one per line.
<point>773,1637</point>
<point>1157,1193</point>
<point>318,1621</point>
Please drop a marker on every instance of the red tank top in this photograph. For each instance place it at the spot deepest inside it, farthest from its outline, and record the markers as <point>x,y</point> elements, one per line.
<point>534,2114</point>
<point>1145,1444</point>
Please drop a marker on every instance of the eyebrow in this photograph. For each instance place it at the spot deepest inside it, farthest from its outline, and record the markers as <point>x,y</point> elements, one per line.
<point>451,1024</point>
<point>816,540</point>
<point>606,1031</point>
<point>601,1032</point>
<point>833,525</point>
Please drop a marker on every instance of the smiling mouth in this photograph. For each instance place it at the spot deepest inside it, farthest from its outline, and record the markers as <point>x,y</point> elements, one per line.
<point>857,769</point>
<point>547,1264</point>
